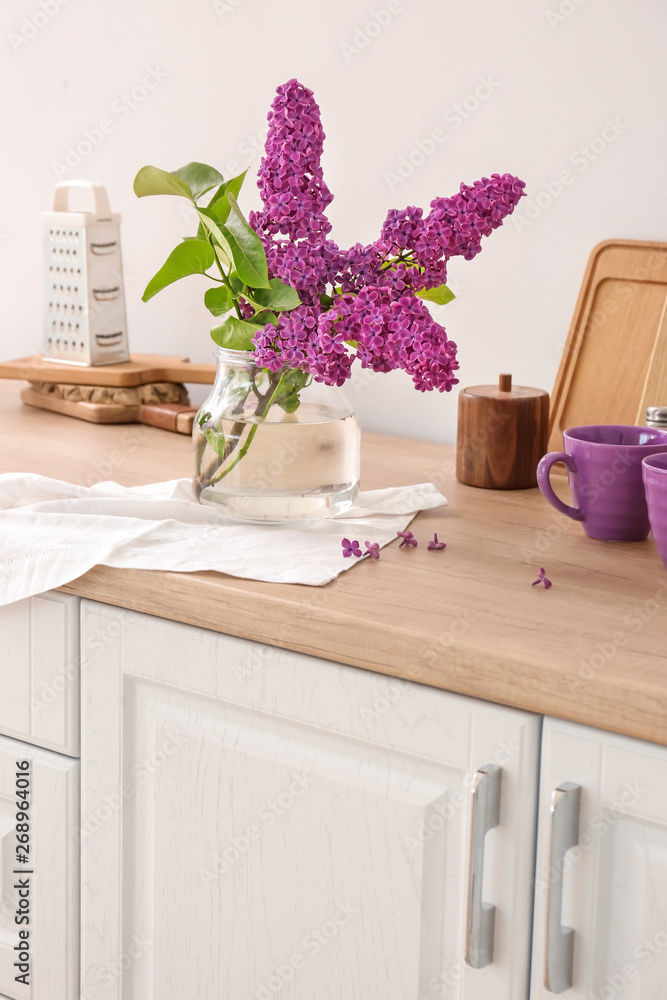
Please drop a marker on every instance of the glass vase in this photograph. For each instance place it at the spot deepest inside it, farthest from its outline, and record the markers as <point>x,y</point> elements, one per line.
<point>274,446</point>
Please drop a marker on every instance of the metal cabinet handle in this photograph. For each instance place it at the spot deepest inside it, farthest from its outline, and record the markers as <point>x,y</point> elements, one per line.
<point>559,953</point>
<point>481,917</point>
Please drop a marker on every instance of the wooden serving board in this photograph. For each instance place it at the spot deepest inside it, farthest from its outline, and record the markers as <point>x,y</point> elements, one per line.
<point>614,363</point>
<point>140,370</point>
<point>168,416</point>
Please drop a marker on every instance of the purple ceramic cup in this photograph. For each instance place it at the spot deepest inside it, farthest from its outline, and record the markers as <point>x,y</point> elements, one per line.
<point>604,463</point>
<point>654,471</point>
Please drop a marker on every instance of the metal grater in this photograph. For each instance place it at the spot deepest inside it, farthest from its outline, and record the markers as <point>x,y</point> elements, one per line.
<point>84,300</point>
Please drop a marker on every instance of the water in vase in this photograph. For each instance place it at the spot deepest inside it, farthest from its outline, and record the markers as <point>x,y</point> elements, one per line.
<point>294,465</point>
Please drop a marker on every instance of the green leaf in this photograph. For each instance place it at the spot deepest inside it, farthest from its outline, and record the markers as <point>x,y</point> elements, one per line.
<point>441,295</point>
<point>192,257</point>
<point>216,440</point>
<point>260,319</point>
<point>216,230</point>
<point>217,300</point>
<point>290,404</point>
<point>291,385</point>
<point>152,180</point>
<point>220,209</point>
<point>278,296</point>
<point>232,186</point>
<point>199,177</point>
<point>247,250</point>
<point>234,334</point>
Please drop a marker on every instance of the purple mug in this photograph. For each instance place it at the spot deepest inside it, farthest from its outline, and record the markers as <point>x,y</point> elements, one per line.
<point>654,471</point>
<point>604,463</point>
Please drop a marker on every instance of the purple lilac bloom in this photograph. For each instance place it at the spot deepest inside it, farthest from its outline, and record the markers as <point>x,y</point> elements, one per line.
<point>541,578</point>
<point>435,544</point>
<point>308,265</point>
<point>455,226</point>
<point>290,177</point>
<point>360,266</point>
<point>372,549</point>
<point>361,303</point>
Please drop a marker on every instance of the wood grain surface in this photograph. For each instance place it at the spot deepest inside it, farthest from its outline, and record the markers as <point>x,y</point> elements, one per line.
<point>590,649</point>
<point>141,369</point>
<point>614,363</point>
<point>169,416</point>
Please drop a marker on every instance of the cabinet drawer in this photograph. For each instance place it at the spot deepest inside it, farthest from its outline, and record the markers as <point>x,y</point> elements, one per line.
<point>601,891</point>
<point>50,900</point>
<point>40,674</point>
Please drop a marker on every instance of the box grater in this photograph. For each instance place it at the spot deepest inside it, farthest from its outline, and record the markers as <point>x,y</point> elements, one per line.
<point>84,301</point>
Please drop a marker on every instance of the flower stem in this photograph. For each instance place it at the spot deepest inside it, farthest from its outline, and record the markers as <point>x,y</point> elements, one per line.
<point>225,277</point>
<point>262,412</point>
<point>208,476</point>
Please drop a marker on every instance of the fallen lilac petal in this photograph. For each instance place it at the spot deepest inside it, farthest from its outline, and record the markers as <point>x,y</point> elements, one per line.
<point>407,538</point>
<point>350,548</point>
<point>435,544</point>
<point>372,549</point>
<point>541,578</point>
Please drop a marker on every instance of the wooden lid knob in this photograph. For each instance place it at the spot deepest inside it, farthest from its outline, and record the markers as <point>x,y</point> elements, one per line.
<point>505,383</point>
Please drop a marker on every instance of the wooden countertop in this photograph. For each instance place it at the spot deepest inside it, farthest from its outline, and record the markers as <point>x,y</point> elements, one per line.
<point>591,649</point>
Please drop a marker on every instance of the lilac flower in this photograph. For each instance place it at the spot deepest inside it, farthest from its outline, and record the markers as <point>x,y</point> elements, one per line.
<point>408,538</point>
<point>372,549</point>
<point>350,548</point>
<point>456,225</point>
<point>435,544</point>
<point>290,177</point>
<point>389,333</point>
<point>307,265</point>
<point>541,578</point>
<point>361,303</point>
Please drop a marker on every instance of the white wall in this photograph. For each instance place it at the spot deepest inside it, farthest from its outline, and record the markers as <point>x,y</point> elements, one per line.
<point>558,71</point>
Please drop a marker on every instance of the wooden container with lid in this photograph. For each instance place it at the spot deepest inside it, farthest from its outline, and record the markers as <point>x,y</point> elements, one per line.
<point>502,434</point>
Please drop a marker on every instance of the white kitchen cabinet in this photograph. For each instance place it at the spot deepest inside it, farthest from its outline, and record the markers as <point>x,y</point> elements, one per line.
<point>46,889</point>
<point>40,671</point>
<point>611,888</point>
<point>260,823</point>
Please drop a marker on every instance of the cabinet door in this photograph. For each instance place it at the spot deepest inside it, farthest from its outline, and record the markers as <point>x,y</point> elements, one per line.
<point>260,823</point>
<point>611,885</point>
<point>45,888</point>
<point>40,672</point>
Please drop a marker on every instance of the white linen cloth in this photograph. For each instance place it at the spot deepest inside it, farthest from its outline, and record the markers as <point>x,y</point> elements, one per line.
<point>52,532</point>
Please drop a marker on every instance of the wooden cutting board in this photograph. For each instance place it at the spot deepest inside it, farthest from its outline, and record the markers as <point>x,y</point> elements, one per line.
<point>614,363</point>
<point>140,370</point>
<point>168,416</point>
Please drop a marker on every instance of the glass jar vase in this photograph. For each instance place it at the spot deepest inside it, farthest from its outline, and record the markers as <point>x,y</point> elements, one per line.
<point>274,446</point>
